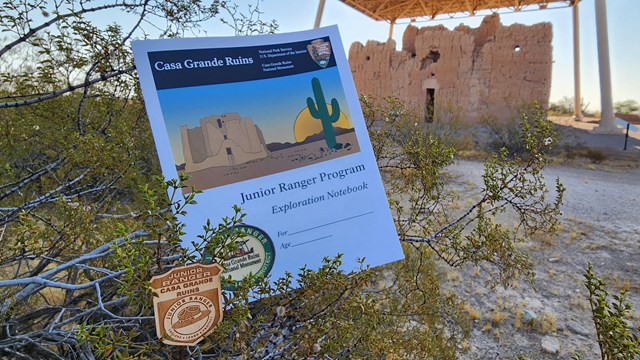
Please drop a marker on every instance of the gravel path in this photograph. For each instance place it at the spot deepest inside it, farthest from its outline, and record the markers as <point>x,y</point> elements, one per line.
<point>599,196</point>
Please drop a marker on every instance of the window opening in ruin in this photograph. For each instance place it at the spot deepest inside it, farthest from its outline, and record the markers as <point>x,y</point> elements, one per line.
<point>434,55</point>
<point>225,137</point>
<point>517,48</point>
<point>431,58</point>
<point>219,123</point>
<point>430,105</point>
<point>368,58</point>
<point>229,152</point>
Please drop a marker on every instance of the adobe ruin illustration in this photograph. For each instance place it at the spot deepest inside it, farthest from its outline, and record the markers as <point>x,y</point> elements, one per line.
<point>222,140</point>
<point>491,69</point>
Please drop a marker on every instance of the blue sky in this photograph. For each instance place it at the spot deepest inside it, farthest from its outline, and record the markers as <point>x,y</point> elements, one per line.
<point>623,25</point>
<point>270,103</point>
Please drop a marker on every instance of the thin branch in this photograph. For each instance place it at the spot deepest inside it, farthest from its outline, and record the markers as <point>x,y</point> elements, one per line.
<point>119,216</point>
<point>98,252</point>
<point>37,280</point>
<point>129,318</point>
<point>45,198</point>
<point>44,25</point>
<point>55,94</point>
<point>30,178</point>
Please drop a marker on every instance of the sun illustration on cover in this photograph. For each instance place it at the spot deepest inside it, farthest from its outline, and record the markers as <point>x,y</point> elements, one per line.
<point>306,125</point>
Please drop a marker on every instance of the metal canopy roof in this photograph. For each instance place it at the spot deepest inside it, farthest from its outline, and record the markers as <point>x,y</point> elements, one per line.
<point>392,10</point>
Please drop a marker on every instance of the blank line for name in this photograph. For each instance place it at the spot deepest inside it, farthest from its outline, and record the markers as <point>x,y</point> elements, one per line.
<point>306,242</point>
<point>331,223</point>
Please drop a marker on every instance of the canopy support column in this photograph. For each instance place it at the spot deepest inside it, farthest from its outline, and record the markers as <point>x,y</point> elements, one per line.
<point>319,14</point>
<point>577,109</point>
<point>393,22</point>
<point>607,119</point>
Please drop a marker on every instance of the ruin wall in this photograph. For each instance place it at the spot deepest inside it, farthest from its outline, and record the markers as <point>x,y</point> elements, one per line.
<point>222,140</point>
<point>492,69</point>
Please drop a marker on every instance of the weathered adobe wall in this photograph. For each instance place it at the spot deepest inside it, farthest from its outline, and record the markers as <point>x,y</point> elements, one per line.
<point>493,69</point>
<point>207,145</point>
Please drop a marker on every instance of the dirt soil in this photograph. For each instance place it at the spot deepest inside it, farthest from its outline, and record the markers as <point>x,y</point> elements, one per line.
<point>551,318</point>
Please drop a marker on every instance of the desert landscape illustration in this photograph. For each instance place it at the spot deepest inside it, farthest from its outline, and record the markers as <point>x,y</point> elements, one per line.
<point>229,148</point>
<point>237,151</point>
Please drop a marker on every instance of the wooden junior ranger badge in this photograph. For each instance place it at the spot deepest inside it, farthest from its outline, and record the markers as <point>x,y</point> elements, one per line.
<point>187,303</point>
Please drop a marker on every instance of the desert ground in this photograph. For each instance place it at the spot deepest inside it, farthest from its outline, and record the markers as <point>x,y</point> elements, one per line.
<point>550,318</point>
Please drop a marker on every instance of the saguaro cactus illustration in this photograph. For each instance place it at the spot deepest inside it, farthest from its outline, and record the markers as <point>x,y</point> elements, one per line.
<point>320,111</point>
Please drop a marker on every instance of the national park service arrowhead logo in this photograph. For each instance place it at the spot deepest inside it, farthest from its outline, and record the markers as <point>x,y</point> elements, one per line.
<point>320,52</point>
<point>188,304</point>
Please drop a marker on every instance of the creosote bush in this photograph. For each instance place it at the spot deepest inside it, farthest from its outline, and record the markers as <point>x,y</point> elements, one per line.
<point>397,310</point>
<point>412,159</point>
<point>615,337</point>
<point>507,133</point>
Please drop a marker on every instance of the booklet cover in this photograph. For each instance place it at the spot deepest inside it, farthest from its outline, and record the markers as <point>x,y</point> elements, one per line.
<point>271,123</point>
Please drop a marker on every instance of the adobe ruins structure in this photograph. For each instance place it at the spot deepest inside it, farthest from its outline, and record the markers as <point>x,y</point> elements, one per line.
<point>222,140</point>
<point>492,69</point>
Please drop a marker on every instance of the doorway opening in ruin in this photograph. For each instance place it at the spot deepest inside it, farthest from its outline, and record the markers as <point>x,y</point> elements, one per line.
<point>232,161</point>
<point>430,105</point>
<point>219,123</point>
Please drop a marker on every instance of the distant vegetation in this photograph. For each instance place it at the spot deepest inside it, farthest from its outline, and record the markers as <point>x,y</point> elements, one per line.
<point>627,107</point>
<point>566,105</point>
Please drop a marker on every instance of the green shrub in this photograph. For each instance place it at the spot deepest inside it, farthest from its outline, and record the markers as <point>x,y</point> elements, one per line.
<point>615,338</point>
<point>627,107</point>
<point>565,106</point>
<point>507,134</point>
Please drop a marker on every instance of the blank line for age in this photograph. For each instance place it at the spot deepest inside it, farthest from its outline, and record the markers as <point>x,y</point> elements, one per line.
<point>310,241</point>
